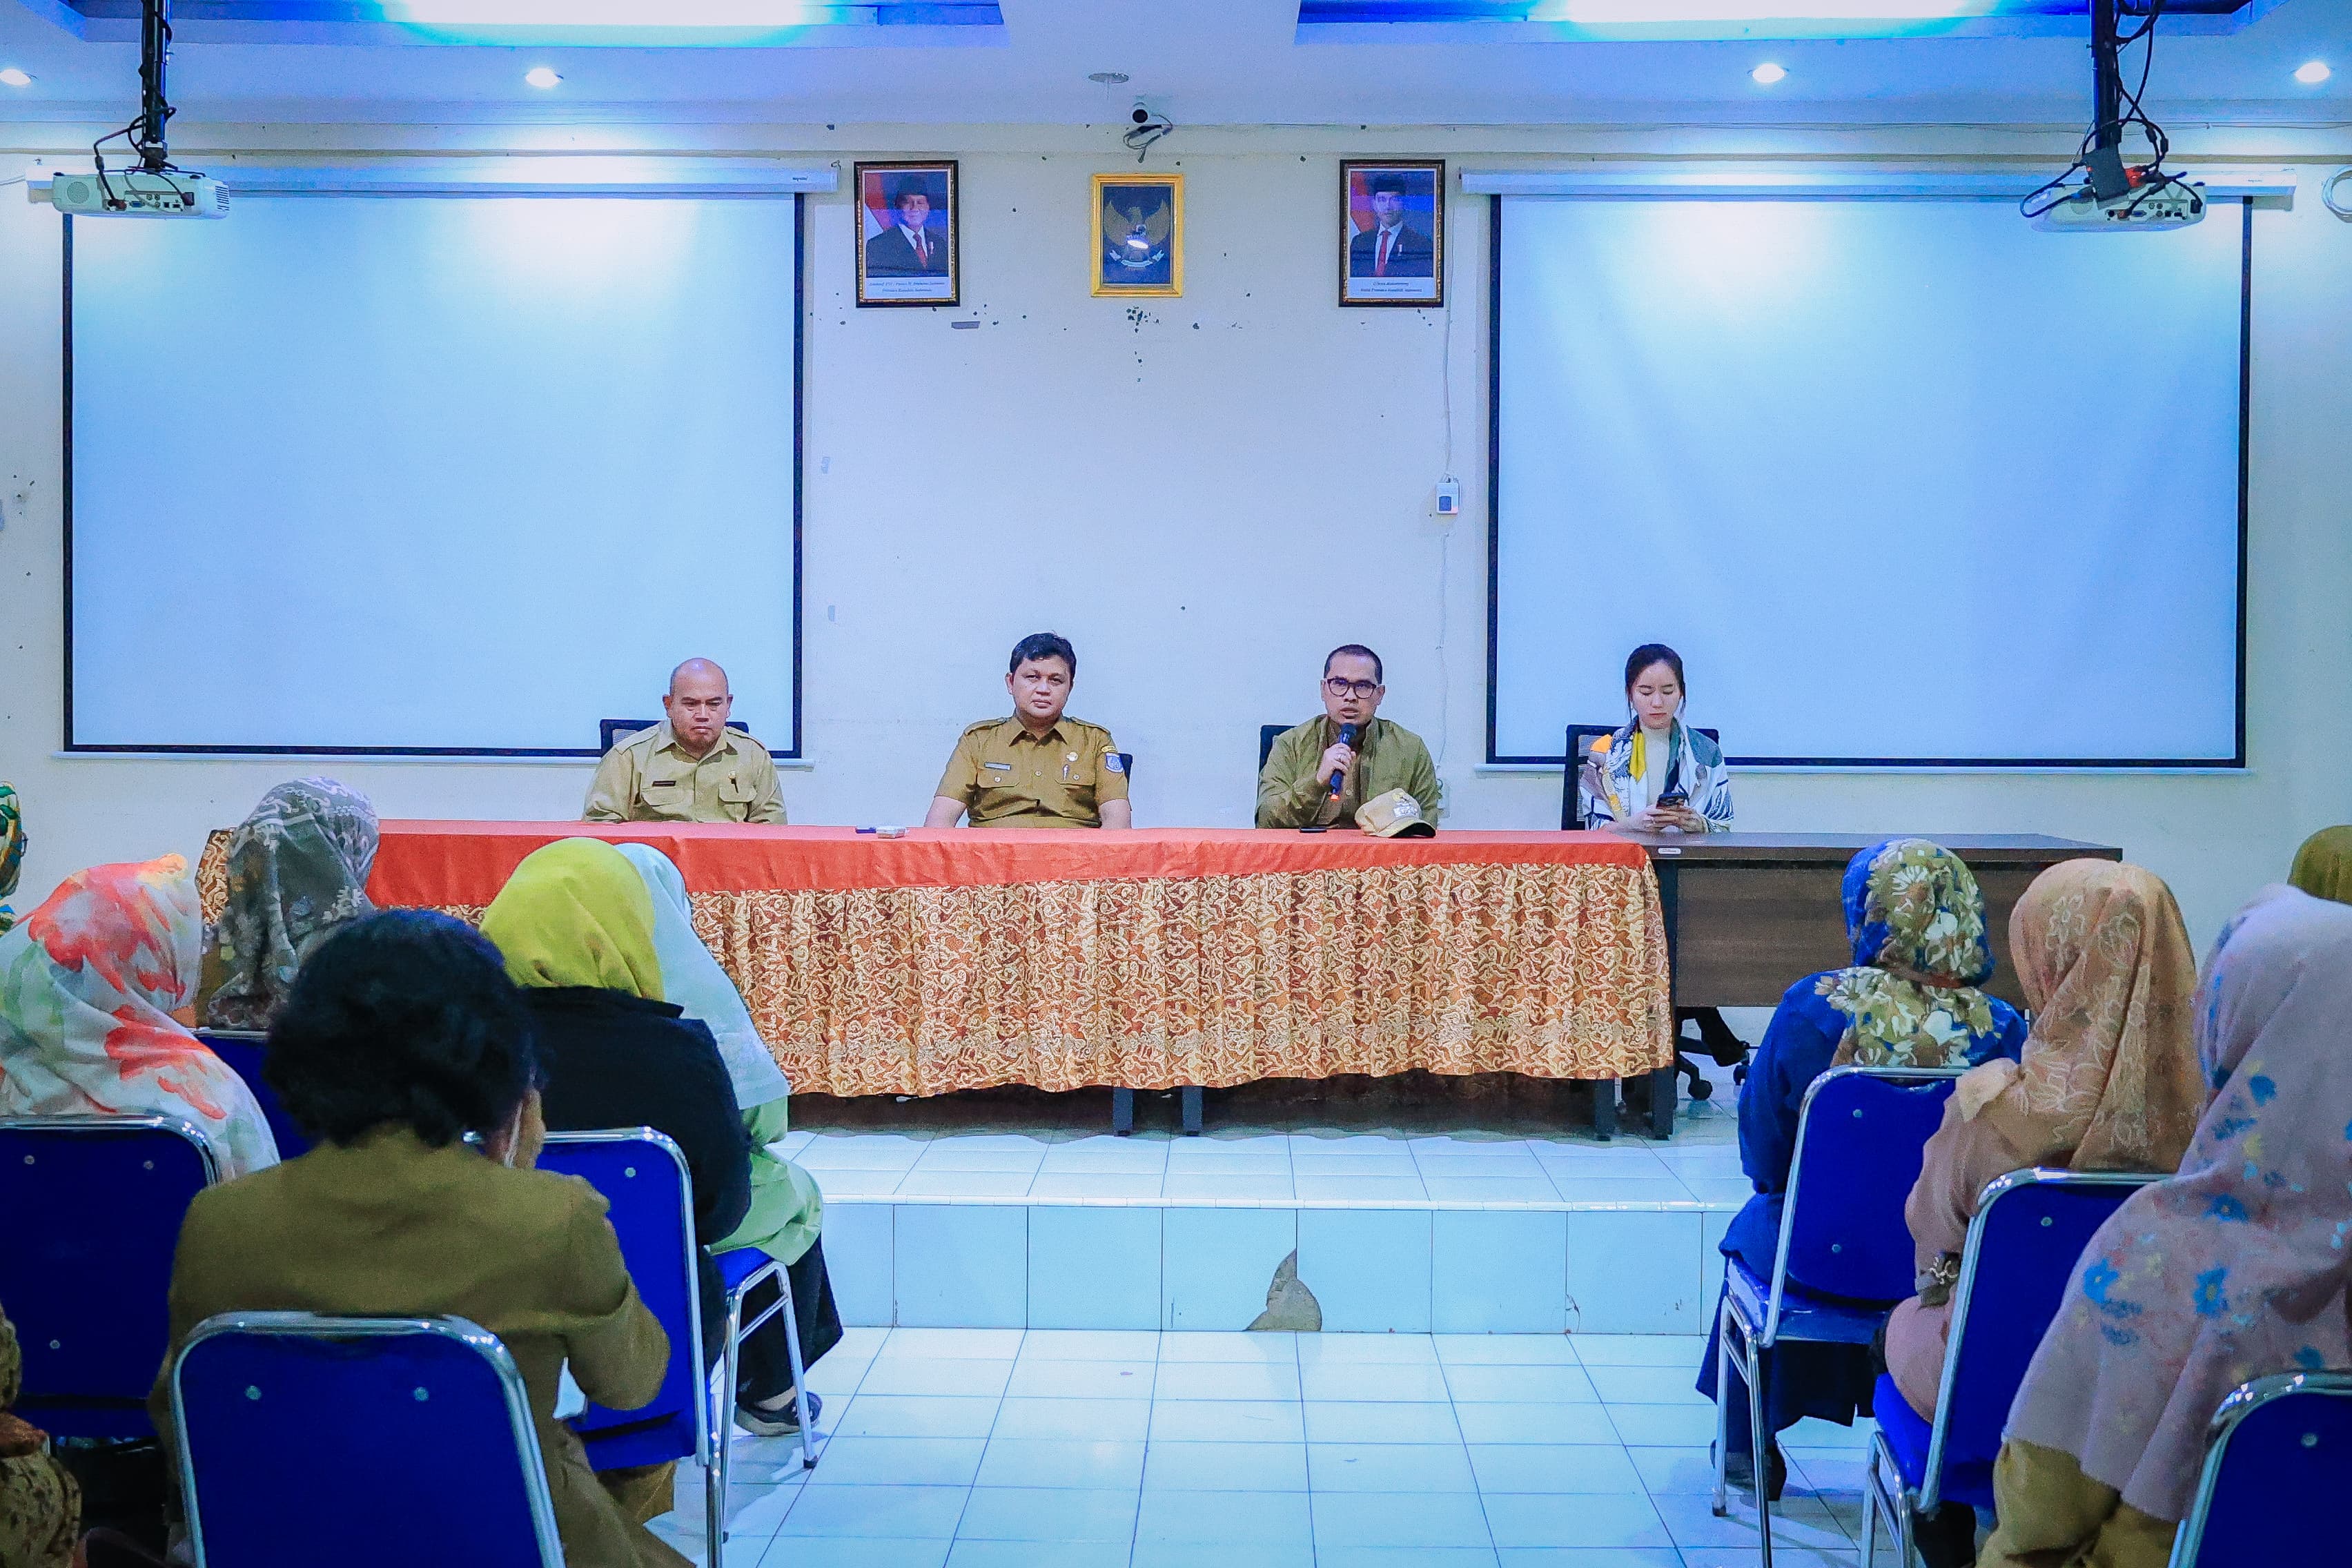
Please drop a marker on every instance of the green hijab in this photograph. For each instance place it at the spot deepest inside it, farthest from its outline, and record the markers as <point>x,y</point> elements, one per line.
<point>577,914</point>
<point>2322,867</point>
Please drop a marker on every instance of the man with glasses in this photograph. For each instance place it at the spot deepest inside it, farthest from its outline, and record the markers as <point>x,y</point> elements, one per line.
<point>1295,787</point>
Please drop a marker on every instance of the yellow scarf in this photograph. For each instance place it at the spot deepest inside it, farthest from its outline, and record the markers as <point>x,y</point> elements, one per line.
<point>577,914</point>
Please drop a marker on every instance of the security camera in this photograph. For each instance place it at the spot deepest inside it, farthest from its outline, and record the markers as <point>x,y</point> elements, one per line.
<point>1140,114</point>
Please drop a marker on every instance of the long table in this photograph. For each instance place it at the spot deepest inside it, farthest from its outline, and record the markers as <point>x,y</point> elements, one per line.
<point>1748,914</point>
<point>1157,958</point>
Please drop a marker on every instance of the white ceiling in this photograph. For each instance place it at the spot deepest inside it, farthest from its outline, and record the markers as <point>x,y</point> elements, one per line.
<point>1201,61</point>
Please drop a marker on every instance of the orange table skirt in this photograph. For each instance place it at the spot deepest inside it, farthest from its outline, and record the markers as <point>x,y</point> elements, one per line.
<point>964,959</point>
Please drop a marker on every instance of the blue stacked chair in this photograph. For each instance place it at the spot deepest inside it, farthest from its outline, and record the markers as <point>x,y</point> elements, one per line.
<point>2276,1459</point>
<point>1844,1257</point>
<point>643,1176</point>
<point>2028,1232</point>
<point>93,1206</point>
<point>367,1442</point>
<point>242,1050</point>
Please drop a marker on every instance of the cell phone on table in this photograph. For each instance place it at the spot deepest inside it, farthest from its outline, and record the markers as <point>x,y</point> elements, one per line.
<point>1674,798</point>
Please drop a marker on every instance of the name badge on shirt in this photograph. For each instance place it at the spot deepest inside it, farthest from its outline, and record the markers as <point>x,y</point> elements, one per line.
<point>998,767</point>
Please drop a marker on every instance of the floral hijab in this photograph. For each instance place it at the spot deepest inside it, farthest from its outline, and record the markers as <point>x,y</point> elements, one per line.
<point>1917,922</point>
<point>2235,1268</point>
<point>2322,867</point>
<point>298,868</point>
<point>692,979</point>
<point>575,912</point>
<point>88,983</point>
<point>12,851</point>
<point>2109,1079</point>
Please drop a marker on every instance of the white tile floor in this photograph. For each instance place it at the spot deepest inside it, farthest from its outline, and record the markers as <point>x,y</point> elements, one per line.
<point>1036,1448</point>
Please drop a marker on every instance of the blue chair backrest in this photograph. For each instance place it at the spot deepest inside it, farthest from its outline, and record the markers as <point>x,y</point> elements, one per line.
<point>644,1179</point>
<point>2029,1233</point>
<point>242,1050</point>
<point>90,1216</point>
<point>1860,1133</point>
<point>2271,1491</point>
<point>368,1442</point>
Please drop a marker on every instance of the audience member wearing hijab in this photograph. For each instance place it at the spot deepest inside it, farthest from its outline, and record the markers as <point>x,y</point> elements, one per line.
<point>787,1210</point>
<point>2108,1081</point>
<point>12,851</point>
<point>2232,1269</point>
<point>1917,922</point>
<point>40,1504</point>
<point>2322,867</point>
<point>402,1034</point>
<point>576,925</point>
<point>88,983</point>
<point>298,868</point>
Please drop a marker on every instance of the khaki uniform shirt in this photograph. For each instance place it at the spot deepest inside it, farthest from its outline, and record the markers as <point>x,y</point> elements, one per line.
<point>1007,779</point>
<point>649,778</point>
<point>390,1228</point>
<point>1387,756</point>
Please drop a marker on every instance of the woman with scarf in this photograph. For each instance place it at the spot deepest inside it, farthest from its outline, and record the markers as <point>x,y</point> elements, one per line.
<point>12,851</point>
<point>2232,1269</point>
<point>88,983</point>
<point>298,868</point>
<point>2108,1081</point>
<point>2322,867</point>
<point>787,1211</point>
<point>1917,922</point>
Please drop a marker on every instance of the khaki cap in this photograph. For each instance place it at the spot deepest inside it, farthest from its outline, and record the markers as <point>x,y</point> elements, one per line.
<point>1395,815</point>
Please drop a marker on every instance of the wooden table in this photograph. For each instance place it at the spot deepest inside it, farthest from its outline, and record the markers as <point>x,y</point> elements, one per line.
<point>1748,914</point>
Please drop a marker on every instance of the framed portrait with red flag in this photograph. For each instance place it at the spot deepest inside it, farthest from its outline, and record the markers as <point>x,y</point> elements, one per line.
<point>1392,232</point>
<point>908,229</point>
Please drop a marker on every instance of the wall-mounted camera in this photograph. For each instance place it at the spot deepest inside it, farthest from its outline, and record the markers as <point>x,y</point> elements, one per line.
<point>1145,125</point>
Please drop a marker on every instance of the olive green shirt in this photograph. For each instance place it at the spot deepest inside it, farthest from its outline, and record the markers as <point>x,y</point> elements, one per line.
<point>1387,756</point>
<point>1007,778</point>
<point>649,778</point>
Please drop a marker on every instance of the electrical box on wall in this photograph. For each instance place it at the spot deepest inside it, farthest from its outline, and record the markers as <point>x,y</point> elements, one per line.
<point>1449,497</point>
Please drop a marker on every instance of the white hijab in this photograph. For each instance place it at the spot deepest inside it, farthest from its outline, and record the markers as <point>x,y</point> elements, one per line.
<point>692,979</point>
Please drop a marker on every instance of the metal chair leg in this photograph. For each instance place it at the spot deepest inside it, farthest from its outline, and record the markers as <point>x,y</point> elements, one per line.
<point>1758,1440</point>
<point>1723,1332</point>
<point>1870,1524</point>
<point>810,1441</point>
<point>714,1463</point>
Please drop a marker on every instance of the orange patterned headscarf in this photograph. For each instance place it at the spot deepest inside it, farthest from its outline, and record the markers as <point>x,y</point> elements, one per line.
<point>88,984</point>
<point>2108,1080</point>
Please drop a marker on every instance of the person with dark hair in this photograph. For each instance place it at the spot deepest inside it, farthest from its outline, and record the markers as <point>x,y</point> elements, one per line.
<point>576,925</point>
<point>1038,768</point>
<point>1655,775</point>
<point>908,249</point>
<point>402,1034</point>
<point>298,868</point>
<point>1392,247</point>
<point>1294,788</point>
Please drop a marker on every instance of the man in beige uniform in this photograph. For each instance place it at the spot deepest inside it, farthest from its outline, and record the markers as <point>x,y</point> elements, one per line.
<point>1038,768</point>
<point>691,767</point>
<point>1294,788</point>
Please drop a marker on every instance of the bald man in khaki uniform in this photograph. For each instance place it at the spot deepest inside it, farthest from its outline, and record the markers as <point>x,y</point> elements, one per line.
<point>1038,768</point>
<point>690,767</point>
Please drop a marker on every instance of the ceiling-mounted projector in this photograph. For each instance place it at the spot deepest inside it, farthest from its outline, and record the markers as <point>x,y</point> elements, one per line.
<point>132,193</point>
<point>2176,204</point>
<point>2099,193</point>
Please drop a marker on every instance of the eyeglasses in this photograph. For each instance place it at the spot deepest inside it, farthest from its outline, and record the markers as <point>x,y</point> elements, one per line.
<point>1338,687</point>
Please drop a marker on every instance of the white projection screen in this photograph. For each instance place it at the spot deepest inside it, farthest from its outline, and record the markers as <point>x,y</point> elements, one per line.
<point>1906,481</point>
<point>429,475</point>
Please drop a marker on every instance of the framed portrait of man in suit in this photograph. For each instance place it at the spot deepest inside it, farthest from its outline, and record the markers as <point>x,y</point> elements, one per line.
<point>1139,235</point>
<point>908,228</point>
<point>1392,233</point>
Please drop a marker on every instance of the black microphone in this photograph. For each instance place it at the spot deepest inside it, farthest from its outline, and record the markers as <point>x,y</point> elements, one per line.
<point>1339,775</point>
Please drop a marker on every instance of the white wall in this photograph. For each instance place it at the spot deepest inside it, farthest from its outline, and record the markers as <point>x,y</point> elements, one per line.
<point>1204,494</point>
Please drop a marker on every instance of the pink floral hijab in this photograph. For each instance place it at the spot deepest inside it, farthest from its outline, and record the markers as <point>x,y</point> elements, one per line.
<point>2235,1268</point>
<point>88,983</point>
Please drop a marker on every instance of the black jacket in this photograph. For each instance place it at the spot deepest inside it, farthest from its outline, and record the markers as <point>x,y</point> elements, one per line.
<point>615,1060</point>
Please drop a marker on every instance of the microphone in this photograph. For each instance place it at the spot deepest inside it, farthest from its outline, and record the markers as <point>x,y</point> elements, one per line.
<point>1339,775</point>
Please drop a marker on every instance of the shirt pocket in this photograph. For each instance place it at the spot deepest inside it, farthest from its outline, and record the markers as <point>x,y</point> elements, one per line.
<point>667,793</point>
<point>736,790</point>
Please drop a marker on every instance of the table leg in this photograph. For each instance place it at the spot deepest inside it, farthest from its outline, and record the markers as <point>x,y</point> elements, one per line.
<point>1604,1109</point>
<point>1662,1089</point>
<point>1122,1111</point>
<point>1192,1098</point>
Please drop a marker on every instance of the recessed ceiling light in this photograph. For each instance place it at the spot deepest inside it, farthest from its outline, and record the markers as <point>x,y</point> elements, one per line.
<point>14,78</point>
<point>541,77</point>
<point>1109,79</point>
<point>1768,73</point>
<point>2311,73</point>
